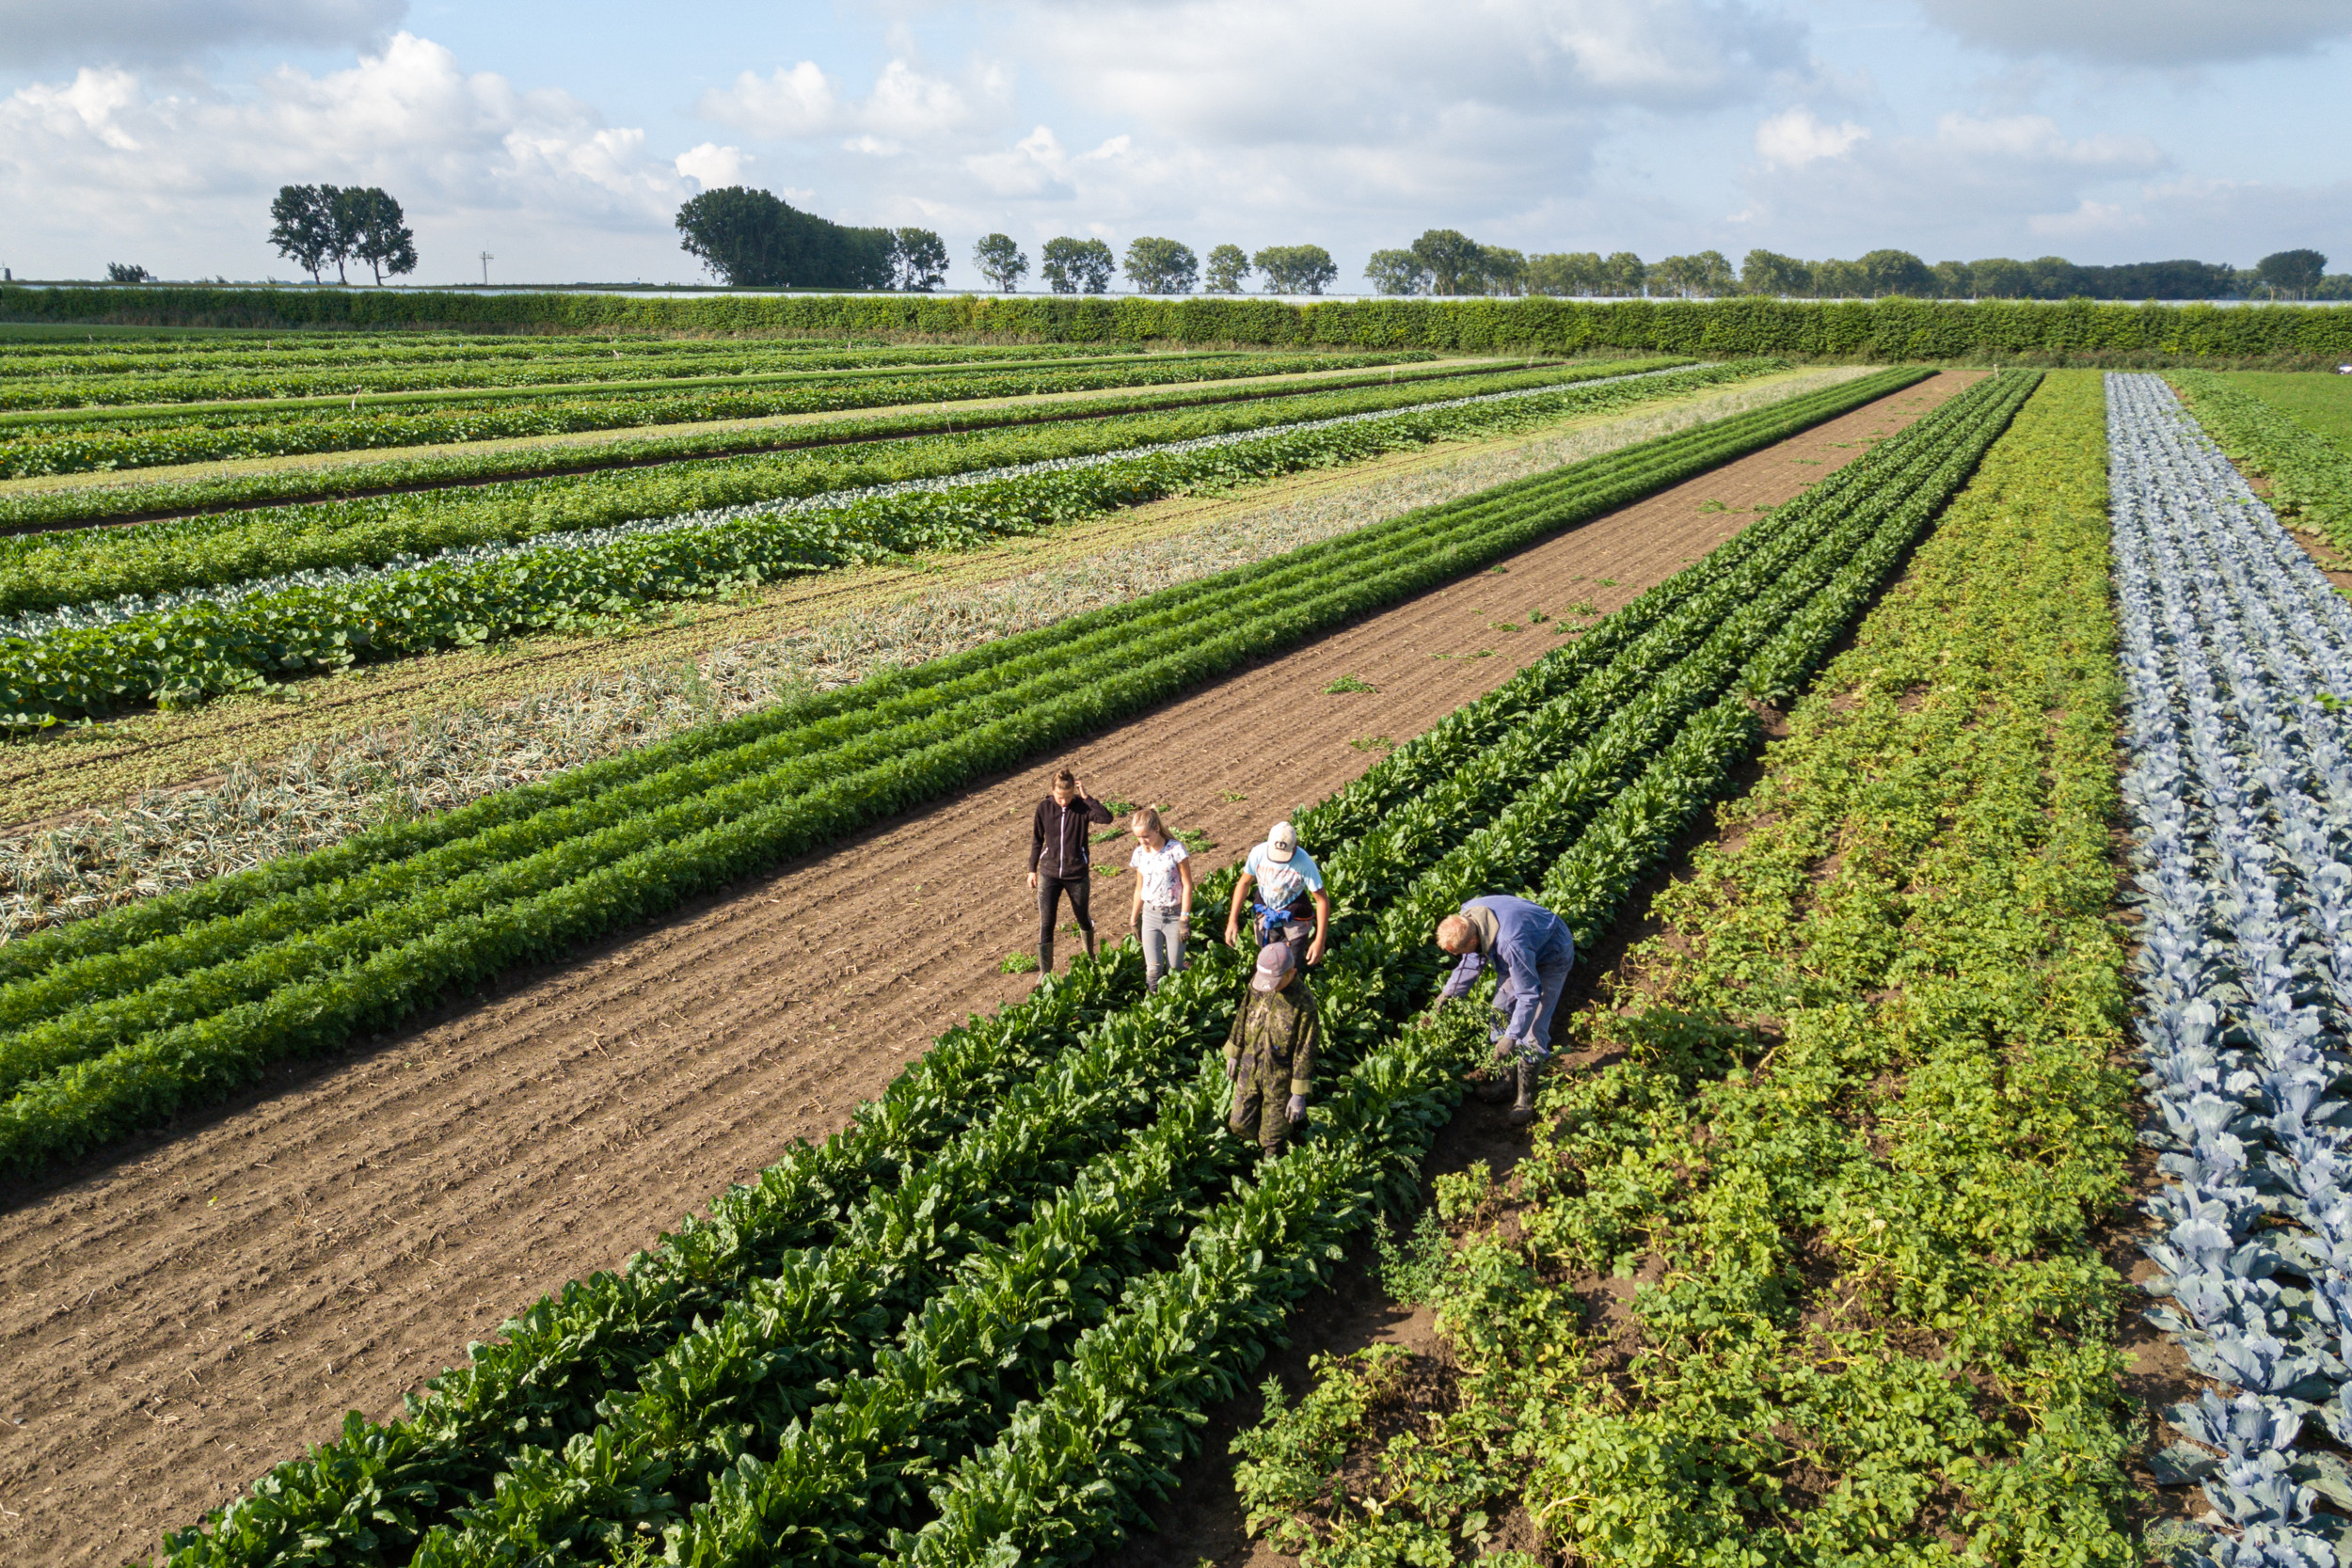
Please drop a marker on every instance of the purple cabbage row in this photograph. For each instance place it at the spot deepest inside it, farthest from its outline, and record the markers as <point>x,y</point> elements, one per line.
<point>2237,658</point>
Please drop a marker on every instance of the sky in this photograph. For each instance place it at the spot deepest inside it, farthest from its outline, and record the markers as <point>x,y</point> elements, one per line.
<point>561,139</point>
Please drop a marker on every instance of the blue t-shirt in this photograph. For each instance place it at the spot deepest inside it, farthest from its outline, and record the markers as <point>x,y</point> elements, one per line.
<point>1282,884</point>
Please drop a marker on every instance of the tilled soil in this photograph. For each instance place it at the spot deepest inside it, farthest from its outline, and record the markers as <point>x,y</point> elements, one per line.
<point>182,1316</point>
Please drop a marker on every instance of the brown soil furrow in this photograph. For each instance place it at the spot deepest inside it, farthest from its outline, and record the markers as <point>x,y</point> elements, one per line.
<point>188,1312</point>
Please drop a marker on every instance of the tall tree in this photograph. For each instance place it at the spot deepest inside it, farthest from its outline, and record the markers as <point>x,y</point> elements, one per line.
<point>752,239</point>
<point>1565,273</point>
<point>1768,272</point>
<point>918,259</point>
<point>2000,277</point>
<point>2292,272</point>
<point>1896,272</point>
<point>369,225</point>
<point>1077,266</point>
<point>1396,272</point>
<point>124,272</point>
<point>1160,266</point>
<point>1226,267</point>
<point>1952,279</point>
<point>1000,261</point>
<point>1451,259</point>
<point>1295,269</point>
<point>1500,271</point>
<point>1624,273</point>
<point>303,227</point>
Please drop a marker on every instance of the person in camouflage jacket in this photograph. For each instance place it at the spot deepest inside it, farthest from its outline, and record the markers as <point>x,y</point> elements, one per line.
<point>1270,1055</point>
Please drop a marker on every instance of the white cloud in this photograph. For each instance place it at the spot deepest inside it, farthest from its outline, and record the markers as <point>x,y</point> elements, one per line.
<point>711,165</point>
<point>2089,220</point>
<point>1795,137</point>
<point>105,161</point>
<point>796,102</point>
<point>83,32</point>
<point>2038,138</point>
<point>2165,33</point>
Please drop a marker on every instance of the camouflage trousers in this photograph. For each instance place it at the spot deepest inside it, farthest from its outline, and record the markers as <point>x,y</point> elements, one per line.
<point>1262,1099</point>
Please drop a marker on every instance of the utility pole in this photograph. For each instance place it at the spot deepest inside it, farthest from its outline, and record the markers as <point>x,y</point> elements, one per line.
<point>487,260</point>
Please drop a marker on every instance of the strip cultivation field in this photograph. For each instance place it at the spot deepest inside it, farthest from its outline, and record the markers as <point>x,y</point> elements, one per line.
<point>2239,657</point>
<point>2305,461</point>
<point>1595,753</point>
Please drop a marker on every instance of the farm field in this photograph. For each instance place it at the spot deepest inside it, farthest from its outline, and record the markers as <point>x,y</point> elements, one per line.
<point>1942,775</point>
<point>793,1083</point>
<point>607,693</point>
<point>2322,402</point>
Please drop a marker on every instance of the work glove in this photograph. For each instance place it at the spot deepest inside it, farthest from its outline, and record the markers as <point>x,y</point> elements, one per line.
<point>1299,1107</point>
<point>1508,1049</point>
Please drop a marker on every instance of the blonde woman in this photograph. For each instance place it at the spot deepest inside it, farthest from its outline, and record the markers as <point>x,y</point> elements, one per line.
<point>1163,903</point>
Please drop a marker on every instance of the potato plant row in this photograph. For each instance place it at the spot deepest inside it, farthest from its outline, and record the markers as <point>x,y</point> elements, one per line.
<point>113,439</point>
<point>608,1482</point>
<point>218,641</point>
<point>182,378</point>
<point>1858,1137</point>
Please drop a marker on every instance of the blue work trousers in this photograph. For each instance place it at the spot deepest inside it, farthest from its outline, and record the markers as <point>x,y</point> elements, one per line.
<point>1552,963</point>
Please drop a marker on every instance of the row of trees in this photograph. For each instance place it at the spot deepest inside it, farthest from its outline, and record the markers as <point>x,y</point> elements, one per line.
<point>321,226</point>
<point>753,238</point>
<point>1447,262</point>
<point>1155,266</point>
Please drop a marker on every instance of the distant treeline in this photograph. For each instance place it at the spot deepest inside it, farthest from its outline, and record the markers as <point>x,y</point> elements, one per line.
<point>1447,262</point>
<point>1884,331</point>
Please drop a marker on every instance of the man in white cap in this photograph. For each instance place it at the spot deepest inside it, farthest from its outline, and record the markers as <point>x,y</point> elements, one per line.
<point>1287,884</point>
<point>1271,1052</point>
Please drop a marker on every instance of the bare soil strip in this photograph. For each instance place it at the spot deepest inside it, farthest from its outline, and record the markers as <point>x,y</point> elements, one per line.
<point>182,1315</point>
<point>71,769</point>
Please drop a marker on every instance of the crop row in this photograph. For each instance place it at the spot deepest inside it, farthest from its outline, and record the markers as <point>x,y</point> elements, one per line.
<point>88,566</point>
<point>2238,655</point>
<point>1558,757</point>
<point>699,808</point>
<point>105,383</point>
<point>111,441</point>
<point>2310,476</point>
<point>1855,1142</point>
<point>129,357</point>
<point>221,641</point>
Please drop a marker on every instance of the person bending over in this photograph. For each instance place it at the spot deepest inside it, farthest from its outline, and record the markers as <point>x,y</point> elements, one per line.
<point>1059,862</point>
<point>1535,950</point>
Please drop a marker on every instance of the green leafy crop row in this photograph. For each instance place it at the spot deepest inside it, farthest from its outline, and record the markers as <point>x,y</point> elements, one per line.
<point>116,381</point>
<point>113,439</point>
<point>538,1384</point>
<point>1864,1119</point>
<point>220,643</point>
<point>2310,475</point>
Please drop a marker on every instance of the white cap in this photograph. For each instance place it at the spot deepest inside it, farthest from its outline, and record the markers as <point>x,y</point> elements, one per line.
<point>1282,841</point>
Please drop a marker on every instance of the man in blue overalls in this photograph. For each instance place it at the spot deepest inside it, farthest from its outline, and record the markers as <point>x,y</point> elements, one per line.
<point>1535,950</point>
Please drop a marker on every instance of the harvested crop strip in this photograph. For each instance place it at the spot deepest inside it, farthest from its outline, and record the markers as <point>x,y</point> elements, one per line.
<point>322,793</point>
<point>2239,657</point>
<point>95,663</point>
<point>1827,1199</point>
<point>2310,475</point>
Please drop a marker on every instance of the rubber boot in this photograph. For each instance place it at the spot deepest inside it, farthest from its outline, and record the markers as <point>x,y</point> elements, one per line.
<point>1045,956</point>
<point>1523,1108</point>
<point>1501,1084</point>
<point>1089,936</point>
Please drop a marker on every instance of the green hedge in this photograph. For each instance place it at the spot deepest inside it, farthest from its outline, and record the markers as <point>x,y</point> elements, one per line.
<point>1882,330</point>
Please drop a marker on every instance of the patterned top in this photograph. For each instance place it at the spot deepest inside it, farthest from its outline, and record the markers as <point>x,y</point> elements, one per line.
<point>1156,871</point>
<point>1281,884</point>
